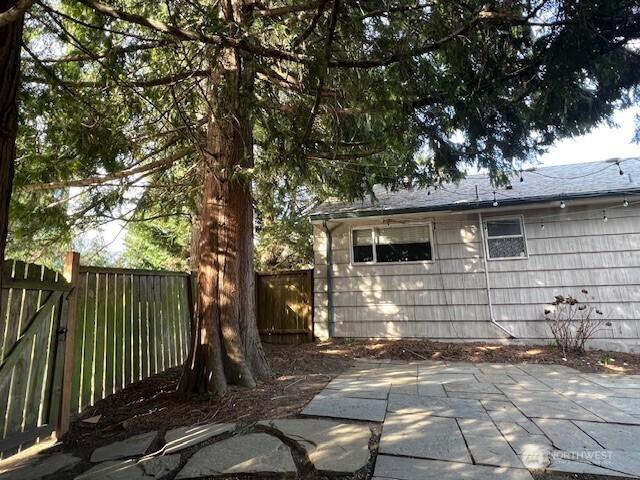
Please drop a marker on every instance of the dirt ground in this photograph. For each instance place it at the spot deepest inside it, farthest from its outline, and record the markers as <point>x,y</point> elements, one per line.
<point>301,371</point>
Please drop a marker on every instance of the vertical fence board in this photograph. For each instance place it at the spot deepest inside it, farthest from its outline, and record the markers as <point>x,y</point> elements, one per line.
<point>283,303</point>
<point>127,340</point>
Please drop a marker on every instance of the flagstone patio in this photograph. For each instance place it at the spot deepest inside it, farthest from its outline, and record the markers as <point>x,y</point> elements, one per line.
<point>439,421</point>
<point>476,421</point>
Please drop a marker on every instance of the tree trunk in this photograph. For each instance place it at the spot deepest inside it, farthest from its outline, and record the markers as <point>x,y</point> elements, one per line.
<point>10,43</point>
<point>226,347</point>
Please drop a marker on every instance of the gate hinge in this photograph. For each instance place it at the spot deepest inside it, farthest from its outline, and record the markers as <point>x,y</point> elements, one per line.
<point>62,332</point>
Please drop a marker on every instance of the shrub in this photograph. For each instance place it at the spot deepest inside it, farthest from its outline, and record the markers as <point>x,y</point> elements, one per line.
<point>572,322</point>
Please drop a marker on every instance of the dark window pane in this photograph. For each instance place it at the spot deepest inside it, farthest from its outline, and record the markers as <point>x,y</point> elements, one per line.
<point>499,228</point>
<point>506,247</point>
<point>363,253</point>
<point>404,252</point>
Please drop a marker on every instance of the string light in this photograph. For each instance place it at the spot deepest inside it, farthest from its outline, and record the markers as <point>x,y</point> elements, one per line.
<point>562,204</point>
<point>542,225</point>
<point>604,216</point>
<point>625,203</point>
<point>619,168</point>
<point>495,202</point>
<point>521,179</point>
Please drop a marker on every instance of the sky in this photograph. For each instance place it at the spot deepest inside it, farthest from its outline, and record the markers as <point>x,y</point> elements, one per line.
<point>601,143</point>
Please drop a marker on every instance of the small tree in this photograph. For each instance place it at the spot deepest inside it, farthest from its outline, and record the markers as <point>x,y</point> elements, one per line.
<point>572,322</point>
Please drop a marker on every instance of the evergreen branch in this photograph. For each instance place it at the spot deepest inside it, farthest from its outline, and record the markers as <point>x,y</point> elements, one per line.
<point>153,82</point>
<point>286,10</point>
<point>156,165</point>
<point>184,34</point>
<point>94,56</point>
<point>15,12</point>
<point>323,76</point>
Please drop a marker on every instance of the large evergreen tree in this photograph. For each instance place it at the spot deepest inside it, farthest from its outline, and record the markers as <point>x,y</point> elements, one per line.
<point>188,102</point>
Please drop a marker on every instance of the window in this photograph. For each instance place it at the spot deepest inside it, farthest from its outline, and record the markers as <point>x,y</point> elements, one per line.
<point>410,243</point>
<point>505,238</point>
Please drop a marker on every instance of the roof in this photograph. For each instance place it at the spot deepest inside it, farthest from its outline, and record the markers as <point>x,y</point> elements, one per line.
<point>562,182</point>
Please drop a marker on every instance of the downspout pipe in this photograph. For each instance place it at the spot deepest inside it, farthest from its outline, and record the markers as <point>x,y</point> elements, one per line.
<point>492,317</point>
<point>329,276</point>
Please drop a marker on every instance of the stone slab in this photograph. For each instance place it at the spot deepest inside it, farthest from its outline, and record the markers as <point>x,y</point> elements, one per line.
<point>472,387</point>
<point>248,454</point>
<point>550,405</point>
<point>37,466</point>
<point>534,450</point>
<point>158,467</point>
<point>388,467</point>
<point>430,390</point>
<point>423,436</point>
<point>613,436</point>
<point>630,406</point>
<point>338,406</point>
<point>579,467</point>
<point>565,435</point>
<point>331,446</point>
<point>115,470</point>
<point>439,406</point>
<point>495,378</point>
<point>372,393</point>
<point>487,445</point>
<point>446,378</point>
<point>625,462</point>
<point>131,447</point>
<point>185,437</point>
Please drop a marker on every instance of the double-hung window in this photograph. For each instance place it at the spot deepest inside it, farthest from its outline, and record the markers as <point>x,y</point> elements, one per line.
<point>391,244</point>
<point>505,238</point>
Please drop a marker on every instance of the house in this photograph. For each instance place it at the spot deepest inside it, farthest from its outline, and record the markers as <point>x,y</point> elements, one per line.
<point>470,262</point>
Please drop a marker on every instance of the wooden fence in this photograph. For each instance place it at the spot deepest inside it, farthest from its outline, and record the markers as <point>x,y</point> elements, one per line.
<point>130,324</point>
<point>70,339</point>
<point>285,306</point>
<point>32,327</point>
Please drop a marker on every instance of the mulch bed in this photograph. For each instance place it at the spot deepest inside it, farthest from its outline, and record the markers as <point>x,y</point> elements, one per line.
<point>301,371</point>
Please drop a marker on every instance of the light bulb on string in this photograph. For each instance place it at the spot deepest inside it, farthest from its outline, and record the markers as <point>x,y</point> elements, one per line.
<point>619,168</point>
<point>495,202</point>
<point>521,178</point>
<point>542,225</point>
<point>604,216</point>
<point>625,203</point>
<point>562,204</point>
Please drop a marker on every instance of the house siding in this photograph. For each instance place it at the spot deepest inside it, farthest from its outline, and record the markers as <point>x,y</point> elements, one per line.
<point>447,299</point>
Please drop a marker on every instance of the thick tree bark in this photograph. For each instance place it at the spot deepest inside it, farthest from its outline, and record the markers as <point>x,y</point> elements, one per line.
<point>226,347</point>
<point>10,42</point>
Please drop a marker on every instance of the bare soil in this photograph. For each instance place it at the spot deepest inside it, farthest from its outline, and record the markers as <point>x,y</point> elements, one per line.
<point>301,371</point>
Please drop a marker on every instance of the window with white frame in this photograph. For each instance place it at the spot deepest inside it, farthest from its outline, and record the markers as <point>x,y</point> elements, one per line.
<point>390,244</point>
<point>505,238</point>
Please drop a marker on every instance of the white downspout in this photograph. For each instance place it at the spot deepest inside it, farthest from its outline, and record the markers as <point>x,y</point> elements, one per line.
<point>492,318</point>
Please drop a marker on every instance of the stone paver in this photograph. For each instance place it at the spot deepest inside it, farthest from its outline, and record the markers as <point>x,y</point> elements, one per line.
<point>251,454</point>
<point>158,467</point>
<point>565,435</point>
<point>331,446</point>
<point>424,436</point>
<point>388,467</point>
<point>36,467</point>
<point>338,406</point>
<point>131,447</point>
<point>185,437</point>
<point>534,450</point>
<point>550,405</point>
<point>115,470</point>
<point>439,406</point>
<point>613,436</point>
<point>487,445</point>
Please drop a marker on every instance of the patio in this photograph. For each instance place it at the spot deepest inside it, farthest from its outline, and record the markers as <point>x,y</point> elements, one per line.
<point>462,420</point>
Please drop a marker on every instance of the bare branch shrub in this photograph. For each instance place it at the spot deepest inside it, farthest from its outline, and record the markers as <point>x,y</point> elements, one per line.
<point>573,322</point>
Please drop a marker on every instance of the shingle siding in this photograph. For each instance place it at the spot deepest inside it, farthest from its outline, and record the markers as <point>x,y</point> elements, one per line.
<point>447,299</point>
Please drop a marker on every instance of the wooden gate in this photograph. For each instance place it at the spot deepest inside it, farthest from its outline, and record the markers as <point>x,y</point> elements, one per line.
<point>285,306</point>
<point>32,330</point>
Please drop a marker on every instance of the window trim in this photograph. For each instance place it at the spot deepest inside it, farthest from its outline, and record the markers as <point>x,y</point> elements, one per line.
<point>374,238</point>
<point>523,235</point>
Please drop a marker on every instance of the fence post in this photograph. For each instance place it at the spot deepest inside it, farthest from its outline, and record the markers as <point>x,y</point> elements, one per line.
<point>71,274</point>
<point>311,301</point>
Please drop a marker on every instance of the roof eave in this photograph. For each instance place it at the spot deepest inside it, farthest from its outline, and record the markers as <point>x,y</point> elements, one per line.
<point>467,206</point>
